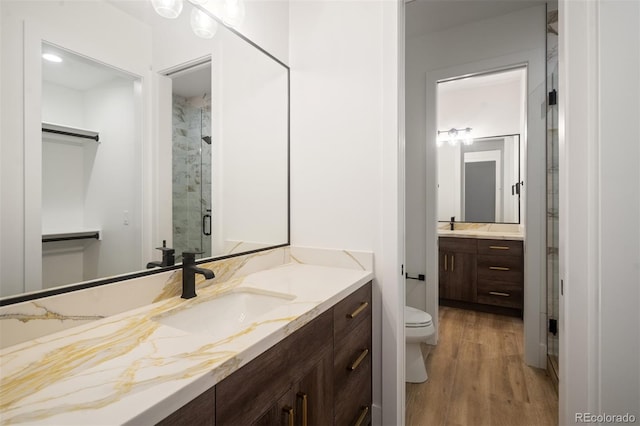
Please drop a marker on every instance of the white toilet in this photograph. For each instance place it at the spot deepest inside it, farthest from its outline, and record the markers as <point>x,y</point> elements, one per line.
<point>418,327</point>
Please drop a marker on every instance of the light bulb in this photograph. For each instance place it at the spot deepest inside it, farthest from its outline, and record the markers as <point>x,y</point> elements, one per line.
<point>233,12</point>
<point>467,139</point>
<point>170,9</point>
<point>51,57</point>
<point>202,24</point>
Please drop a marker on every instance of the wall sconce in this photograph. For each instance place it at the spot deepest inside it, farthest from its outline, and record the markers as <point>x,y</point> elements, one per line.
<point>454,136</point>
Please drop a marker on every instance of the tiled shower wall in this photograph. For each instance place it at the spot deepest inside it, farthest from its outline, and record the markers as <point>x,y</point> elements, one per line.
<point>553,275</point>
<point>191,173</point>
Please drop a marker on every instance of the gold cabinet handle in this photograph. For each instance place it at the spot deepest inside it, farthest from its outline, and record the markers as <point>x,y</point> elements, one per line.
<point>499,293</point>
<point>445,262</point>
<point>357,312</point>
<point>453,264</point>
<point>291,413</point>
<point>499,247</point>
<point>362,416</point>
<point>357,362</point>
<point>498,268</point>
<point>305,401</point>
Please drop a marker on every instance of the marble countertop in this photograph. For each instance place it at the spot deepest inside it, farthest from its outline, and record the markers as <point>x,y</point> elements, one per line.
<point>131,369</point>
<point>491,231</point>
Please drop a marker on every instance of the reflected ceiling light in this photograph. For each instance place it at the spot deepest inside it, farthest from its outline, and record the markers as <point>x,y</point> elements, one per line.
<point>167,8</point>
<point>51,57</point>
<point>454,136</point>
<point>233,12</point>
<point>202,24</point>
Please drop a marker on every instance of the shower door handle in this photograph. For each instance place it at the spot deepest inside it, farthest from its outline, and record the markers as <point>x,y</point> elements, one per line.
<point>206,224</point>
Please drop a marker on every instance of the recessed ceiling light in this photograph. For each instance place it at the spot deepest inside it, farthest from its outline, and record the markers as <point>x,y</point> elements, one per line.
<point>51,57</point>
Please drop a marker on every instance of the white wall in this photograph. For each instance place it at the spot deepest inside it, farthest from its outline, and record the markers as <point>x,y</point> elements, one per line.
<point>479,46</point>
<point>490,110</point>
<point>599,45</point>
<point>344,158</point>
<point>251,88</point>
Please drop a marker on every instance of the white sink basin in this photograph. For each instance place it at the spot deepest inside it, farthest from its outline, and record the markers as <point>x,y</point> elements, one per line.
<point>227,314</point>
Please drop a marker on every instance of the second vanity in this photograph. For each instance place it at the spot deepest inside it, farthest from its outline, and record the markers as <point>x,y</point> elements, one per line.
<point>293,347</point>
<point>482,268</point>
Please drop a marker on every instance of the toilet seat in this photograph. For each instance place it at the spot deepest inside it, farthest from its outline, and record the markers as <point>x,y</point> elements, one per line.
<point>416,318</point>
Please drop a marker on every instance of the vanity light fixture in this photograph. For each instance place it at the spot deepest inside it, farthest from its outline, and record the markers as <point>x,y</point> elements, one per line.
<point>52,57</point>
<point>454,136</point>
<point>170,9</point>
<point>202,24</point>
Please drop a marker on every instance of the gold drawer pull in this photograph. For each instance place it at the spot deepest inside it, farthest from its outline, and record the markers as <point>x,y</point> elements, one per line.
<point>363,415</point>
<point>499,247</point>
<point>499,293</point>
<point>357,362</point>
<point>445,262</point>
<point>357,312</point>
<point>290,413</point>
<point>498,268</point>
<point>453,260</point>
<point>305,399</point>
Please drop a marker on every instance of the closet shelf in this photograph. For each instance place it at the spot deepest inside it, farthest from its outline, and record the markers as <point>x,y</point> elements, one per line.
<point>68,236</point>
<point>70,131</point>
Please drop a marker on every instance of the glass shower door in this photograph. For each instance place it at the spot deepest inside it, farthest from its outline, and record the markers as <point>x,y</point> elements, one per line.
<point>192,210</point>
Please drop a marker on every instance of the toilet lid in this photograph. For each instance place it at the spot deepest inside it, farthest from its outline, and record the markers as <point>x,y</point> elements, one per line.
<point>415,317</point>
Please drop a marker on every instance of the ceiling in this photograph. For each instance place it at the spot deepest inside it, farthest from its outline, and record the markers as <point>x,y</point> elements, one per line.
<point>427,16</point>
<point>192,83</point>
<point>77,72</point>
<point>491,79</point>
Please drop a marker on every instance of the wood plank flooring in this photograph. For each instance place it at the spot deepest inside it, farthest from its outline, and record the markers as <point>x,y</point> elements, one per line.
<point>477,376</point>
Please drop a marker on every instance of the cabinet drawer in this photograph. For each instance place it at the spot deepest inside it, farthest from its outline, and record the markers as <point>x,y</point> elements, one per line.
<point>500,247</point>
<point>500,293</point>
<point>350,312</point>
<point>458,245</point>
<point>500,268</point>
<point>354,395</point>
<point>352,374</point>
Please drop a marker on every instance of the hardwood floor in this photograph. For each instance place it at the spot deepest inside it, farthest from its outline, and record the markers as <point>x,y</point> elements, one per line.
<point>477,376</point>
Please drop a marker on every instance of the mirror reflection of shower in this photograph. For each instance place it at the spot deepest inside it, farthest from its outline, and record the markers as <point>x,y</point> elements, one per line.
<point>191,152</point>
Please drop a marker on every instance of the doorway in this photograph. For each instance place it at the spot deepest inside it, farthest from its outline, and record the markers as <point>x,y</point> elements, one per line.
<point>192,139</point>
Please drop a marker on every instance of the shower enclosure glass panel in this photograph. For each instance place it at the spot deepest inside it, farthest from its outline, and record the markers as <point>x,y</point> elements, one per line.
<point>192,208</point>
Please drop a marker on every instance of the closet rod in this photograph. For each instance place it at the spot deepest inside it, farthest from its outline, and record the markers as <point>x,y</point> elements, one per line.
<point>77,132</point>
<point>85,236</point>
<point>77,135</point>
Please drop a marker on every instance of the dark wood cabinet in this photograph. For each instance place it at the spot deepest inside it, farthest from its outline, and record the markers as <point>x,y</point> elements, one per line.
<point>254,390</point>
<point>501,273</point>
<point>457,270</point>
<point>319,375</point>
<point>352,359</point>
<point>482,274</point>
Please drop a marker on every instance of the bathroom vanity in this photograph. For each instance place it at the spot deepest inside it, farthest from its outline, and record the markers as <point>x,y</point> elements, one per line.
<point>480,272</point>
<point>321,374</point>
<point>301,355</point>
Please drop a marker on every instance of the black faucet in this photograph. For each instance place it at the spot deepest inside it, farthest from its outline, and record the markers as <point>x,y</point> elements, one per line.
<point>452,223</point>
<point>189,271</point>
<point>168,257</point>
